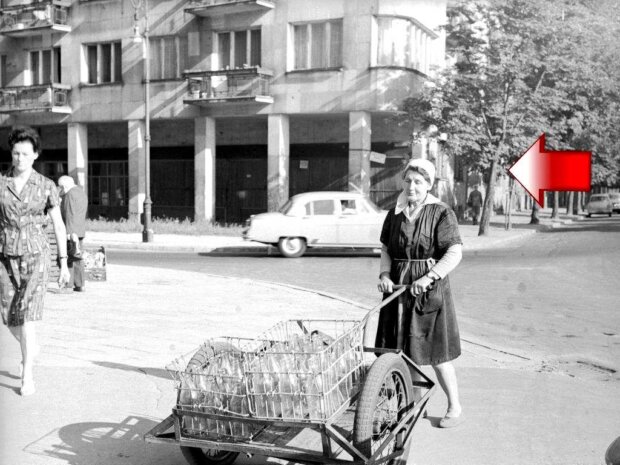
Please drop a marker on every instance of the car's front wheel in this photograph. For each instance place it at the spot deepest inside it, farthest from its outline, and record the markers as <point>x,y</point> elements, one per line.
<point>292,247</point>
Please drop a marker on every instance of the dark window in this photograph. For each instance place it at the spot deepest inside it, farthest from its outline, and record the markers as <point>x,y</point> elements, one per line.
<point>104,62</point>
<point>35,70</point>
<point>3,78</point>
<point>246,50</point>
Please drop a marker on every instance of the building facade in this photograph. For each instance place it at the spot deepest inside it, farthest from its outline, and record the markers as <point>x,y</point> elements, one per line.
<point>251,101</point>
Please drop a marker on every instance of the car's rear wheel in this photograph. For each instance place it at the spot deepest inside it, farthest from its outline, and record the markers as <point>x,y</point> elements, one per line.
<point>292,247</point>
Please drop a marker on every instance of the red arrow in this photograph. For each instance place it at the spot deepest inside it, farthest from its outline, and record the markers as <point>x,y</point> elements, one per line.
<point>538,171</point>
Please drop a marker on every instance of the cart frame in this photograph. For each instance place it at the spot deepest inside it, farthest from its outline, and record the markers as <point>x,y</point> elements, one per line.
<point>335,438</point>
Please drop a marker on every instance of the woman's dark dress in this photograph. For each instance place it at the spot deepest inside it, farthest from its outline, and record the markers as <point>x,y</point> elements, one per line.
<point>430,334</point>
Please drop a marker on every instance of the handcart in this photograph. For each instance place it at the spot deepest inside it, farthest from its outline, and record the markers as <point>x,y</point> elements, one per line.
<point>302,391</point>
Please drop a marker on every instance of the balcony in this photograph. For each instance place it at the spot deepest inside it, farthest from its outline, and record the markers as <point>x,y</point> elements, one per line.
<point>39,98</point>
<point>29,19</point>
<point>206,88</point>
<point>226,7</point>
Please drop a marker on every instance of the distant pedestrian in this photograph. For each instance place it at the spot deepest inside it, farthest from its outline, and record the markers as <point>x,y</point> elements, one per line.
<point>475,203</point>
<point>421,244</point>
<point>26,200</point>
<point>74,207</point>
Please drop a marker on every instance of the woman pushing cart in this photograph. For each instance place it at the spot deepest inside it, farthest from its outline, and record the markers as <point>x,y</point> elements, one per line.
<point>303,390</point>
<point>421,245</point>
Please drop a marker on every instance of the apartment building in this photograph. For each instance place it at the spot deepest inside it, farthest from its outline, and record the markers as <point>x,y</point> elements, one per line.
<point>251,101</point>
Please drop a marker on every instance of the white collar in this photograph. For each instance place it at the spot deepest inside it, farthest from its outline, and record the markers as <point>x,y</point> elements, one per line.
<point>402,203</point>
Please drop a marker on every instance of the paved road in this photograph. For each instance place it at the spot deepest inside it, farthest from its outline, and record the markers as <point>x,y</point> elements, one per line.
<point>552,298</point>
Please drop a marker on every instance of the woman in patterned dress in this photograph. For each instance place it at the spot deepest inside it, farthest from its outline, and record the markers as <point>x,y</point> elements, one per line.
<point>421,244</point>
<point>26,198</point>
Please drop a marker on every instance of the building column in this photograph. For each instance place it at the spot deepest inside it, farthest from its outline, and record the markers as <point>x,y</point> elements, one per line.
<point>278,153</point>
<point>136,158</point>
<point>77,148</point>
<point>360,132</point>
<point>204,169</point>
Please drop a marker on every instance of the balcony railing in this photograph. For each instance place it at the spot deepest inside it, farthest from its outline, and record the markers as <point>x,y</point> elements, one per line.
<point>225,7</point>
<point>30,18</point>
<point>38,98</point>
<point>234,85</point>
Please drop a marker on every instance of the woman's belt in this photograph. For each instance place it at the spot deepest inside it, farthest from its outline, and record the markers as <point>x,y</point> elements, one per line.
<point>430,262</point>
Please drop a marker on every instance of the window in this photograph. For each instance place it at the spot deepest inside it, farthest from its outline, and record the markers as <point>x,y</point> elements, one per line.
<point>3,77</point>
<point>104,63</point>
<point>403,42</point>
<point>107,183</point>
<point>168,57</point>
<point>238,49</point>
<point>44,66</point>
<point>320,207</point>
<point>318,45</point>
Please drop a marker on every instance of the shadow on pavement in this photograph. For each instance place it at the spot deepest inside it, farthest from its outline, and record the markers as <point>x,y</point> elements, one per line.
<point>149,371</point>
<point>272,252</point>
<point>96,442</point>
<point>9,375</point>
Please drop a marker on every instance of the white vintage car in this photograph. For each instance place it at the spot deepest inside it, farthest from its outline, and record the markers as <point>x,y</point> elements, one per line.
<point>318,219</point>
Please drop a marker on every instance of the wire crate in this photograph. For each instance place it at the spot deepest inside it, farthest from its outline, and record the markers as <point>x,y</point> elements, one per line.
<point>298,370</point>
<point>305,369</point>
<point>210,381</point>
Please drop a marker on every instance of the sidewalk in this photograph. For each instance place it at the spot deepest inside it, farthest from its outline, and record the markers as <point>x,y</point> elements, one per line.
<point>497,237</point>
<point>101,382</point>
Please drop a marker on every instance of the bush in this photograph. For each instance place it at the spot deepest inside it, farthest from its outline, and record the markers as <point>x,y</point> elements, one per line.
<point>165,226</point>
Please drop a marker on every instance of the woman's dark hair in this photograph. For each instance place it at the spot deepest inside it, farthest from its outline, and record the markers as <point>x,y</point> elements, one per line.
<point>25,134</point>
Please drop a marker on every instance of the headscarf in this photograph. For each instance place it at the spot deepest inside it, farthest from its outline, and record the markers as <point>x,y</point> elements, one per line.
<point>425,166</point>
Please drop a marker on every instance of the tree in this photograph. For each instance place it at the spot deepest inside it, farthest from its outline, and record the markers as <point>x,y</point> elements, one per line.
<point>515,76</point>
<point>555,212</point>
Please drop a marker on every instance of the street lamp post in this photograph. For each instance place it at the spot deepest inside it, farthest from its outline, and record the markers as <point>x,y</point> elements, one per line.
<point>147,232</point>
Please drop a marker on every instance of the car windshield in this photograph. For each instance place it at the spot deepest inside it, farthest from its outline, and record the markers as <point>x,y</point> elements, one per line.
<point>615,196</point>
<point>598,198</point>
<point>284,209</point>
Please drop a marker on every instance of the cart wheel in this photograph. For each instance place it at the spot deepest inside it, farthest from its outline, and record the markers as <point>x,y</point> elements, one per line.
<point>292,247</point>
<point>386,393</point>
<point>196,456</point>
<point>202,356</point>
<point>206,352</point>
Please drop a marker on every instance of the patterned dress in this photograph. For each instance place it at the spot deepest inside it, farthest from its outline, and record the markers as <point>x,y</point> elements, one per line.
<point>24,249</point>
<point>424,327</point>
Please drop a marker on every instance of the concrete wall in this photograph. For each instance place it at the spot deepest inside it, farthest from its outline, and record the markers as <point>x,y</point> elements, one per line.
<point>354,88</point>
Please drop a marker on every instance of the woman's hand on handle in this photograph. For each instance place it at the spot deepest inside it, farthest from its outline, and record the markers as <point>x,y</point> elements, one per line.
<point>420,285</point>
<point>386,285</point>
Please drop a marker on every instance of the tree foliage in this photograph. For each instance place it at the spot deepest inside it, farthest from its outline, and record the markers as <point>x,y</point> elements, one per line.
<point>520,68</point>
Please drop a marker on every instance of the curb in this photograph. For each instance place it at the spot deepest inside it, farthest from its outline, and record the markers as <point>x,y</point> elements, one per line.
<point>262,249</point>
<point>139,247</point>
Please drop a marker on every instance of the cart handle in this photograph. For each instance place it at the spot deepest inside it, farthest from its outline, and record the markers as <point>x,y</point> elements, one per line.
<point>398,290</point>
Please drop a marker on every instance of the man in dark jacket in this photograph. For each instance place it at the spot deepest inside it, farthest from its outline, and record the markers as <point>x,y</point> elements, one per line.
<point>73,209</point>
<point>475,203</point>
